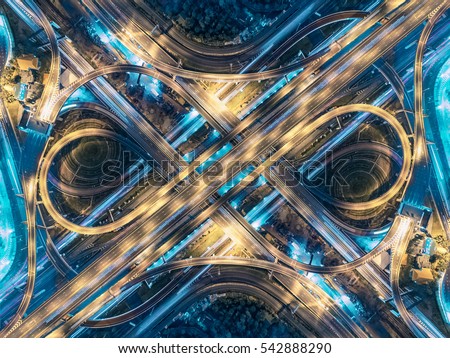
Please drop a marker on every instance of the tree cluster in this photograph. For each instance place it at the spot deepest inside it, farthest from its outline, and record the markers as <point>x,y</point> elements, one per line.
<point>220,20</point>
<point>89,32</point>
<point>234,315</point>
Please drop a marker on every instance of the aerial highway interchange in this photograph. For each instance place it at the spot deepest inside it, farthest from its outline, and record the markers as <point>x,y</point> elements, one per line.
<point>158,175</point>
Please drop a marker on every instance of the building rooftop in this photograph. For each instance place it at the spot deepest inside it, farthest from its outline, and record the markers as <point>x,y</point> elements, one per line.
<point>422,277</point>
<point>383,260</point>
<point>404,260</point>
<point>67,77</point>
<point>429,246</point>
<point>28,62</point>
<point>45,78</point>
